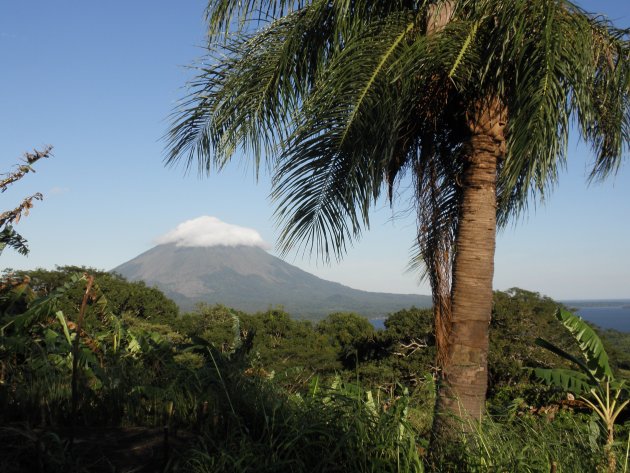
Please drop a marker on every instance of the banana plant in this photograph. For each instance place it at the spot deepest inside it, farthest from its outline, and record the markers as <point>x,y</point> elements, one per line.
<point>40,343</point>
<point>594,382</point>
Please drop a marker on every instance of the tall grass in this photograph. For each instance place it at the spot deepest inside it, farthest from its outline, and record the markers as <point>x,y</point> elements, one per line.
<point>343,429</point>
<point>529,443</point>
<point>335,430</point>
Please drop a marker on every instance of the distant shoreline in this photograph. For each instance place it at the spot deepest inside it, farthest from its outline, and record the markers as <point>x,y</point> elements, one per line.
<point>597,303</point>
<point>606,314</point>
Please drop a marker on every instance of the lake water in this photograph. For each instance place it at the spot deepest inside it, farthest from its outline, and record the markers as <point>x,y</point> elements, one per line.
<point>608,317</point>
<point>617,318</point>
<point>379,324</point>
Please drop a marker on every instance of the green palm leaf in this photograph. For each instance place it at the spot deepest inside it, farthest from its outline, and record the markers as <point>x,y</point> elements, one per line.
<point>334,164</point>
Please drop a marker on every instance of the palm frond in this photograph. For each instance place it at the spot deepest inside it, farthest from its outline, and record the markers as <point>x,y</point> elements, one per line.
<point>334,164</point>
<point>228,109</point>
<point>223,16</point>
<point>564,65</point>
<point>234,16</point>
<point>342,98</point>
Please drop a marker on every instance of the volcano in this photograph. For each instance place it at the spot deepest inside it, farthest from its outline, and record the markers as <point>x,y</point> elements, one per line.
<point>250,279</point>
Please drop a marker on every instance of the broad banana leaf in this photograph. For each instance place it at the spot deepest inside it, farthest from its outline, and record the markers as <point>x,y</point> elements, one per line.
<point>590,344</point>
<point>569,380</point>
<point>541,342</point>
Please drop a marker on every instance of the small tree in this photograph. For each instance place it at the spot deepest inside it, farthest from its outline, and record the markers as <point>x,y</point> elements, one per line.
<point>595,382</point>
<point>8,236</point>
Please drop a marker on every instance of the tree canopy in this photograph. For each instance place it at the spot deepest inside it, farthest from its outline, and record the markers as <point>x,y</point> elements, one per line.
<point>135,298</point>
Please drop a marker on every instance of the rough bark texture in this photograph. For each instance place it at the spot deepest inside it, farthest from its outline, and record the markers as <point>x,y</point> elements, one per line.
<point>462,390</point>
<point>442,311</point>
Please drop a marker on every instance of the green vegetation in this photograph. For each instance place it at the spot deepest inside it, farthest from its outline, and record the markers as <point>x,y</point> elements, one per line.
<point>474,99</point>
<point>595,382</point>
<point>103,387</point>
<point>124,297</point>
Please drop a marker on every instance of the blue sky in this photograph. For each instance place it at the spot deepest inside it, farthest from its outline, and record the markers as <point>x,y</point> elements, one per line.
<point>97,80</point>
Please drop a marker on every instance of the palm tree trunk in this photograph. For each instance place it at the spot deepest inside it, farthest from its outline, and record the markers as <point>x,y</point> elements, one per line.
<point>462,391</point>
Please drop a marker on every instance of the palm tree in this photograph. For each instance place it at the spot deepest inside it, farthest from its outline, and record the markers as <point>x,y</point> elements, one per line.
<point>472,98</point>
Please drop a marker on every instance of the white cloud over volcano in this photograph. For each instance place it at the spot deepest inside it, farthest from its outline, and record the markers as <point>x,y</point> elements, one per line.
<point>210,231</point>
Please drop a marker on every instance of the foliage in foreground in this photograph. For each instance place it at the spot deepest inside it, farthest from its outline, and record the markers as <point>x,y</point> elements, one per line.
<point>340,428</point>
<point>526,444</point>
<point>241,392</point>
<point>594,382</point>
